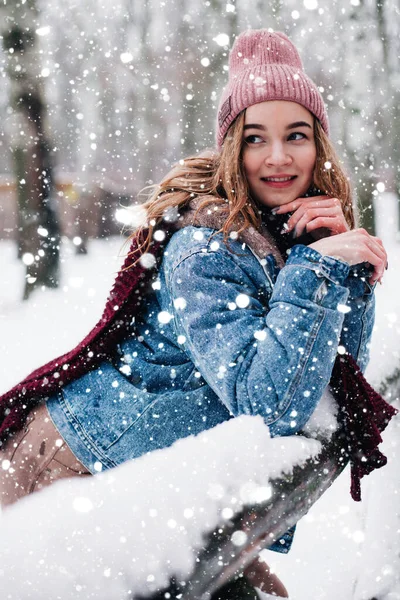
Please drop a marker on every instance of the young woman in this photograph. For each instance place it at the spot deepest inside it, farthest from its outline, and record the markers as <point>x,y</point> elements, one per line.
<point>248,279</point>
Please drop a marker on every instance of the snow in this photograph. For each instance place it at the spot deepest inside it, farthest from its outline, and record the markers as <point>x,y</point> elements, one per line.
<point>55,320</point>
<point>341,549</point>
<point>109,537</point>
<point>323,422</point>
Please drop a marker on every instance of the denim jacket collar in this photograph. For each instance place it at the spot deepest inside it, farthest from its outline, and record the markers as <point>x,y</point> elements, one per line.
<point>203,211</point>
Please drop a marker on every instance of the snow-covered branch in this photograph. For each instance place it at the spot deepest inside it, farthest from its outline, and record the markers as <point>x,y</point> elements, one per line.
<point>126,532</point>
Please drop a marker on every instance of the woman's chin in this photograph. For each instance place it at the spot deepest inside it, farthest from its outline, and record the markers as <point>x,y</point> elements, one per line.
<point>275,200</point>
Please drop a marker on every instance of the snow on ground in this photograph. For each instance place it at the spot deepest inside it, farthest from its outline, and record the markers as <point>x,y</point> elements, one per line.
<point>342,549</point>
<point>52,321</point>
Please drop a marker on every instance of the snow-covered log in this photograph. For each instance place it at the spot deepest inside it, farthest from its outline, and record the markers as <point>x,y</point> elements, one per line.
<point>125,533</point>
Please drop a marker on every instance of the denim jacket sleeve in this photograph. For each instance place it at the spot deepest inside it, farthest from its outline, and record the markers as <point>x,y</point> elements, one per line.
<point>359,315</point>
<point>272,357</point>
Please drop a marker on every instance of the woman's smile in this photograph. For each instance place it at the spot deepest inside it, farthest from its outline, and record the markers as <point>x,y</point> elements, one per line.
<point>279,181</point>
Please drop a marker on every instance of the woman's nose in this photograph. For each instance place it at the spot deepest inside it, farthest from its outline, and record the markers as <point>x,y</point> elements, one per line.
<point>277,155</point>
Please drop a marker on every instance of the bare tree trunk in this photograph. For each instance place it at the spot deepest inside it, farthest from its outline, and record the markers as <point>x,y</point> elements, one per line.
<point>358,156</point>
<point>392,154</point>
<point>202,69</point>
<point>38,231</point>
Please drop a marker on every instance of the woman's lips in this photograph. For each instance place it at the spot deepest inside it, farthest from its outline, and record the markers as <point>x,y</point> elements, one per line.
<point>281,181</point>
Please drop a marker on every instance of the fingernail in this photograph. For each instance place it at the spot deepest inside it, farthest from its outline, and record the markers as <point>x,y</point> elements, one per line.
<point>274,210</point>
<point>387,266</point>
<point>285,229</point>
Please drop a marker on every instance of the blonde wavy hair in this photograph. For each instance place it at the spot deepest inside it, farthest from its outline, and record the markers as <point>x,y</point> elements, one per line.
<point>220,179</point>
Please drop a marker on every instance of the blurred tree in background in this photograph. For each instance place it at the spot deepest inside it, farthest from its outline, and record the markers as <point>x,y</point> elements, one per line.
<point>38,232</point>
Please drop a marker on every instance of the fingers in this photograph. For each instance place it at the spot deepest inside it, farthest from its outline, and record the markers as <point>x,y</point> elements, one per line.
<point>379,241</point>
<point>377,258</point>
<point>320,218</point>
<point>373,252</point>
<point>305,209</point>
<point>308,211</point>
<point>295,204</point>
<point>354,247</point>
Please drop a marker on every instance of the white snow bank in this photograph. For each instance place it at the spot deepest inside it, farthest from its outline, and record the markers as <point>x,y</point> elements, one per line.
<point>323,422</point>
<point>127,531</point>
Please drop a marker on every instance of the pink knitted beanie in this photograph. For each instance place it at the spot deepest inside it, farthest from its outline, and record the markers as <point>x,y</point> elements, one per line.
<point>265,65</point>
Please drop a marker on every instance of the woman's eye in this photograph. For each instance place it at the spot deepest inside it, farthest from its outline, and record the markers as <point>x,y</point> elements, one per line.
<point>297,135</point>
<point>253,139</point>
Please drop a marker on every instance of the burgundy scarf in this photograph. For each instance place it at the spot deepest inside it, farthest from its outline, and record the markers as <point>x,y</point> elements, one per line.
<point>363,413</point>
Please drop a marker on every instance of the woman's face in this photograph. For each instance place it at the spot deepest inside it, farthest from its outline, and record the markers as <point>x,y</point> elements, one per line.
<point>278,151</point>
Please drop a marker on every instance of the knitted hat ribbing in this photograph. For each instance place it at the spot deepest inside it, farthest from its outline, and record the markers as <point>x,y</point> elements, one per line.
<point>265,65</point>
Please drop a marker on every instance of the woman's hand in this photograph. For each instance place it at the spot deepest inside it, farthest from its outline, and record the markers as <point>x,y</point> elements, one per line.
<point>354,247</point>
<point>319,216</point>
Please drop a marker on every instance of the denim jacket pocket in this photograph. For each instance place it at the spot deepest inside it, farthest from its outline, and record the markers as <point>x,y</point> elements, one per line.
<point>112,406</point>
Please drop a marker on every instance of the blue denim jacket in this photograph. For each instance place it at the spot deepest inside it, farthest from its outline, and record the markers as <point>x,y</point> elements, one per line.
<point>224,334</point>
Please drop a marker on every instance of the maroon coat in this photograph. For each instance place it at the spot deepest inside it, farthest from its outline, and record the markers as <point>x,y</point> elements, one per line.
<point>122,305</point>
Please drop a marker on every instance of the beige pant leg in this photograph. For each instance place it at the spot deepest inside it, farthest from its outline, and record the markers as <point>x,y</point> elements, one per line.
<point>35,457</point>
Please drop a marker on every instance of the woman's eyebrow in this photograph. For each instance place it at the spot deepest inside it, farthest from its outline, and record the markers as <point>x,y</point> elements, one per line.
<point>299,124</point>
<point>255,126</point>
<point>291,126</point>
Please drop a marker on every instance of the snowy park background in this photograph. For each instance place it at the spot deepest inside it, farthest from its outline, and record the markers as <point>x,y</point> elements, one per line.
<point>132,87</point>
